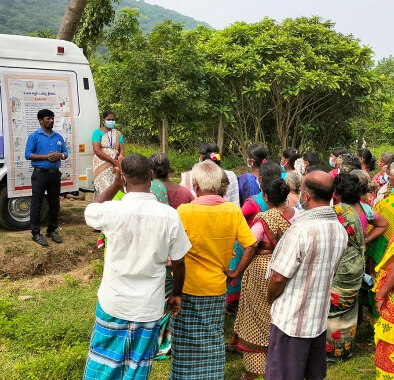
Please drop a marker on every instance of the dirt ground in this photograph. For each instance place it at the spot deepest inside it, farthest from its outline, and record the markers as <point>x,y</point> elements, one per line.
<point>21,258</point>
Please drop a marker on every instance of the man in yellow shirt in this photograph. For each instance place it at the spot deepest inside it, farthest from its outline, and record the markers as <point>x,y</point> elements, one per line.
<point>212,225</point>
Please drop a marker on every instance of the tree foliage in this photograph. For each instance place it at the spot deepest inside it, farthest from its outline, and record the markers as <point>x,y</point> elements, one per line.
<point>296,83</point>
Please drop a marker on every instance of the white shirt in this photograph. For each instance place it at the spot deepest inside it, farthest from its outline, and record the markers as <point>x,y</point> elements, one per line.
<point>308,254</point>
<point>141,233</point>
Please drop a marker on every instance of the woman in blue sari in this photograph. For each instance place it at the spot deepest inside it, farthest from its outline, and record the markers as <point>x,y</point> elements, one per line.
<point>248,183</point>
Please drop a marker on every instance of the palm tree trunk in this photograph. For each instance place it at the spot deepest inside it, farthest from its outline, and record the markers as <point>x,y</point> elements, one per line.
<point>221,134</point>
<point>71,19</point>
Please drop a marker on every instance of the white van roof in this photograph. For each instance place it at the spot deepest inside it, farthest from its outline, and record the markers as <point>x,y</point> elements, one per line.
<point>39,49</point>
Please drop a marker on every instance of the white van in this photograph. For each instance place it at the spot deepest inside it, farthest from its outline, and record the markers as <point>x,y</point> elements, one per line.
<point>37,73</point>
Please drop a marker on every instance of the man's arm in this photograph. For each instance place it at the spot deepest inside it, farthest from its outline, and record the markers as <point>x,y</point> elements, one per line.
<point>174,302</point>
<point>246,259</point>
<point>275,286</point>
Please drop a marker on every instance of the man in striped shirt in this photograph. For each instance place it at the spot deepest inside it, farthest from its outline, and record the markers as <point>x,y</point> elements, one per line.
<point>303,266</point>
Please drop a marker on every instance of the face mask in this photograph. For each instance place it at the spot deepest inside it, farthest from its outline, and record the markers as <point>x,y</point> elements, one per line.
<point>384,178</point>
<point>300,205</point>
<point>331,162</point>
<point>110,123</point>
<point>282,167</point>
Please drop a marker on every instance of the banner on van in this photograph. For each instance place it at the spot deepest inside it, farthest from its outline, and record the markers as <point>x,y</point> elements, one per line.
<point>24,95</point>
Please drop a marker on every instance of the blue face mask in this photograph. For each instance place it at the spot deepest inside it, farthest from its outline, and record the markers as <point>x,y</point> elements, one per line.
<point>331,162</point>
<point>110,123</point>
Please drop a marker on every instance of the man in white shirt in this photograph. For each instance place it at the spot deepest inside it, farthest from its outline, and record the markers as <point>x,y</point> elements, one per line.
<point>303,266</point>
<point>141,234</point>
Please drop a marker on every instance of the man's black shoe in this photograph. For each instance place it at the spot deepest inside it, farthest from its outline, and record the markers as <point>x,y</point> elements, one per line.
<point>54,236</point>
<point>40,240</point>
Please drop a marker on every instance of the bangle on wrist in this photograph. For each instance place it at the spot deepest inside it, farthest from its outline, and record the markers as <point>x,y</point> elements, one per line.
<point>366,240</point>
<point>380,298</point>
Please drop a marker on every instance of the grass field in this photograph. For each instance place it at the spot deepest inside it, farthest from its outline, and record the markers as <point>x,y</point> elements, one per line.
<point>46,336</point>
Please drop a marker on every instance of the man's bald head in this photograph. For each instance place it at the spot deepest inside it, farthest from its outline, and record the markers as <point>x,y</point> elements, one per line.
<point>319,185</point>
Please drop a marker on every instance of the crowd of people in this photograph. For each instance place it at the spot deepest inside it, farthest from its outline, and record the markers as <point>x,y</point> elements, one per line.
<point>294,252</point>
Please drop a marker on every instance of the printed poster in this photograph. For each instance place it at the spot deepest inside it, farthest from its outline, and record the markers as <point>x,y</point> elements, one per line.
<point>23,96</point>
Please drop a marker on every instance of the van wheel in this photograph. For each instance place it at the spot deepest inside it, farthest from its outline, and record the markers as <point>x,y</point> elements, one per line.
<point>15,212</point>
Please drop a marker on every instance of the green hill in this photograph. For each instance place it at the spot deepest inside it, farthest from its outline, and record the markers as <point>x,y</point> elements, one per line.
<point>27,16</point>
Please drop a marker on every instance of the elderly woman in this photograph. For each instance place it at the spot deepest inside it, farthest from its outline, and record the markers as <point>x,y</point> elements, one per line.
<point>381,178</point>
<point>212,225</point>
<point>387,188</point>
<point>108,147</point>
<point>293,179</point>
<point>252,325</point>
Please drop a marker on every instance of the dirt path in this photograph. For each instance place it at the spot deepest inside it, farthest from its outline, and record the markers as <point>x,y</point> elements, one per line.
<point>21,258</point>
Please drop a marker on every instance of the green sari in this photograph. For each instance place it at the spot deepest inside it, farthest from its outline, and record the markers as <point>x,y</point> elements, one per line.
<point>342,317</point>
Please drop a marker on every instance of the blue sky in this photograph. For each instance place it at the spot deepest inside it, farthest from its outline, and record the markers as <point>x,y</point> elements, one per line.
<point>370,21</point>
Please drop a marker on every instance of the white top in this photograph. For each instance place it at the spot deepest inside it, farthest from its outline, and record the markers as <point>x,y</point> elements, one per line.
<point>308,255</point>
<point>380,195</point>
<point>232,193</point>
<point>141,233</point>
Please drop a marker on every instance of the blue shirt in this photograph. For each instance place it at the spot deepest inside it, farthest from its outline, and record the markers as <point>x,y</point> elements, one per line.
<point>40,143</point>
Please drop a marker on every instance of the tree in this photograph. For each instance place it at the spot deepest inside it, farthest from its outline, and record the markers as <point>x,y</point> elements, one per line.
<point>288,83</point>
<point>71,19</point>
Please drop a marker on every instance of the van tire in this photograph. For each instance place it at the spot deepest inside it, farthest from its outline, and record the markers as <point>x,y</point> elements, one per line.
<point>15,212</point>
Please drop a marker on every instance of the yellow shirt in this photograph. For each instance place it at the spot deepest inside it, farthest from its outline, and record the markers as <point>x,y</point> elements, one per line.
<point>212,230</point>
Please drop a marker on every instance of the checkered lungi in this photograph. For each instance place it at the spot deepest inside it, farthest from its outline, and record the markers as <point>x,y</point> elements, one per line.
<point>198,339</point>
<point>121,349</point>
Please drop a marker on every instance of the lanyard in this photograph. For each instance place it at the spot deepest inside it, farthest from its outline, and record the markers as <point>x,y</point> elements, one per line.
<point>109,135</point>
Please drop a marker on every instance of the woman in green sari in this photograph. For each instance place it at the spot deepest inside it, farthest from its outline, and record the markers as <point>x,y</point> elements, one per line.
<point>342,317</point>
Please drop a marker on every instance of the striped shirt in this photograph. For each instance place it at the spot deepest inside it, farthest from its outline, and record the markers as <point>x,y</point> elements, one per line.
<point>308,255</point>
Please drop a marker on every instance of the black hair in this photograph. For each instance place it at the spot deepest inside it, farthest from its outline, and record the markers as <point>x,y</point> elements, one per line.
<point>347,186</point>
<point>206,150</point>
<point>258,153</point>
<point>276,190</point>
<point>270,169</point>
<point>315,168</point>
<point>368,158</point>
<point>338,151</point>
<point>160,165</point>
<point>312,157</point>
<point>136,168</point>
<point>44,113</point>
<point>291,154</point>
<point>317,190</point>
<point>107,113</point>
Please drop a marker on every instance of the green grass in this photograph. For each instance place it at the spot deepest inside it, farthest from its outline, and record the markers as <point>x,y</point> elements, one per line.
<point>47,337</point>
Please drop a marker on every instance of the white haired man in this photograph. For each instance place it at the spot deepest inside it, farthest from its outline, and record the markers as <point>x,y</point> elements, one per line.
<point>212,225</point>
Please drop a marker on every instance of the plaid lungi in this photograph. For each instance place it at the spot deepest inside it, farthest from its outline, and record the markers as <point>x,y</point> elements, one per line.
<point>198,339</point>
<point>121,349</point>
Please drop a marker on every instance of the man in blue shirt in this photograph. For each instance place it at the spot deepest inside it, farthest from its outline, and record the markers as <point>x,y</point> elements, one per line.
<point>45,148</point>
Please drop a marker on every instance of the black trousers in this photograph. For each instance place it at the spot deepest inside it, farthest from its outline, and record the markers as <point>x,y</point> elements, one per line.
<point>41,182</point>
